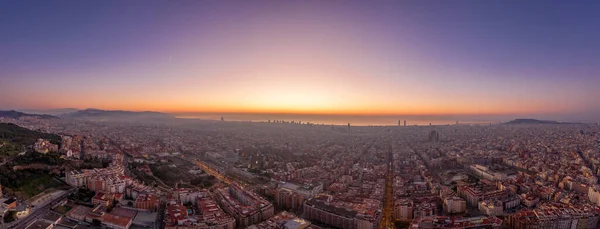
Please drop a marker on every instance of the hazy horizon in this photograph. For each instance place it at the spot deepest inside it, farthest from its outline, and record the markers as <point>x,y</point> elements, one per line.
<point>343,119</point>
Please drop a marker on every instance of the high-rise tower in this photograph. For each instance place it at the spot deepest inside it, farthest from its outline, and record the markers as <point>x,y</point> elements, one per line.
<point>433,136</point>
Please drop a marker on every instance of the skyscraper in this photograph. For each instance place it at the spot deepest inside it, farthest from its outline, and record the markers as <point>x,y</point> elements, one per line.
<point>434,136</point>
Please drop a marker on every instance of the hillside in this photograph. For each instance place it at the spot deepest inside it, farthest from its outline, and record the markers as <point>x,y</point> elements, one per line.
<point>532,121</point>
<point>28,182</point>
<point>22,136</point>
<point>16,114</point>
<point>53,112</point>
<point>116,115</point>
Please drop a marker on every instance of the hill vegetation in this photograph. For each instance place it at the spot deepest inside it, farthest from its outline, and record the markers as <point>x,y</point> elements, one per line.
<point>24,137</point>
<point>24,172</point>
<point>16,114</point>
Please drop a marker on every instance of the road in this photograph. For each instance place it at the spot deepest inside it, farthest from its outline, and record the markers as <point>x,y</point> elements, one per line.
<point>585,160</point>
<point>160,224</point>
<point>39,211</point>
<point>2,214</point>
<point>387,218</point>
<point>213,172</point>
<point>222,177</point>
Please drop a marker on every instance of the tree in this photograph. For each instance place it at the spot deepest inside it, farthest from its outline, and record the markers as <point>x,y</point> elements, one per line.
<point>401,224</point>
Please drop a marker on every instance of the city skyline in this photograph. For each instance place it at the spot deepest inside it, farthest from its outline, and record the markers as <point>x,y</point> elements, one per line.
<point>460,58</point>
<point>262,114</point>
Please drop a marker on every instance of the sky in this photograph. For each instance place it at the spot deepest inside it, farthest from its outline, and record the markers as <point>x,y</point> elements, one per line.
<point>527,58</point>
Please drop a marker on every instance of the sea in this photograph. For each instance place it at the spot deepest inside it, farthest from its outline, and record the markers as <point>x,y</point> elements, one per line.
<point>355,120</point>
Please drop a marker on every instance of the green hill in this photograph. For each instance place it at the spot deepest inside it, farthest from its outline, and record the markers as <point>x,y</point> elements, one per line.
<point>29,182</point>
<point>24,137</point>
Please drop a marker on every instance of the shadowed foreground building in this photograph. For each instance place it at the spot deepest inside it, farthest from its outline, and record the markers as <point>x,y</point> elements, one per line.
<point>245,206</point>
<point>454,204</point>
<point>403,209</point>
<point>364,214</point>
<point>212,216</point>
<point>108,220</point>
<point>282,220</point>
<point>432,222</point>
<point>147,201</point>
<point>556,216</point>
<point>475,194</point>
<point>292,196</point>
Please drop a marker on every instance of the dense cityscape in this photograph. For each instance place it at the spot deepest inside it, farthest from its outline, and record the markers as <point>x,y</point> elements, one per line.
<point>175,173</point>
<point>312,114</point>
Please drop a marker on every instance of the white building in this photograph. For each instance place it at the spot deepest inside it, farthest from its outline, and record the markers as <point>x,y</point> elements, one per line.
<point>454,204</point>
<point>491,207</point>
<point>403,209</point>
<point>594,194</point>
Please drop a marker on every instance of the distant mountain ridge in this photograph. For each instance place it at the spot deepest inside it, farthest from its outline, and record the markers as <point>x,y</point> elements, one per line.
<point>115,115</point>
<point>53,112</point>
<point>534,121</point>
<point>16,114</point>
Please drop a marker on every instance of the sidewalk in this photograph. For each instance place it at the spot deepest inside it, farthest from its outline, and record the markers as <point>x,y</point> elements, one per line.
<point>44,198</point>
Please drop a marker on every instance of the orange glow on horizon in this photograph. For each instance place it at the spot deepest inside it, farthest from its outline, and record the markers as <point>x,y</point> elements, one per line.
<point>370,111</point>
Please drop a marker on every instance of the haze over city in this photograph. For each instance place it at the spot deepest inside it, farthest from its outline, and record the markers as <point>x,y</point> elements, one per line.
<point>419,60</point>
<point>324,114</point>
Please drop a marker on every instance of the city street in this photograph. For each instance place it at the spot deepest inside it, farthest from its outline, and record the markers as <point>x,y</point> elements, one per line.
<point>39,211</point>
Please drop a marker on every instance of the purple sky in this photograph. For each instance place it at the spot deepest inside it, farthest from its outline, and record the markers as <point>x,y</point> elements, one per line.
<point>538,58</point>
